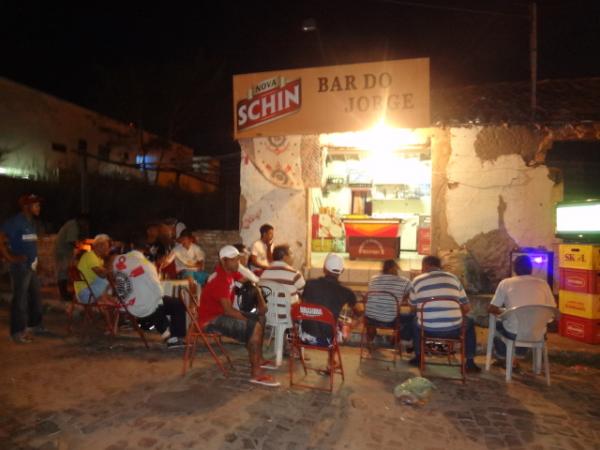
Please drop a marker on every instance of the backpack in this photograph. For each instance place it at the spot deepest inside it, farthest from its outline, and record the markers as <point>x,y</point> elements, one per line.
<point>246,296</point>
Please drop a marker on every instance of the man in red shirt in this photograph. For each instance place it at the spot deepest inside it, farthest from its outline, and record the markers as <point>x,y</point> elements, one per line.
<point>217,314</point>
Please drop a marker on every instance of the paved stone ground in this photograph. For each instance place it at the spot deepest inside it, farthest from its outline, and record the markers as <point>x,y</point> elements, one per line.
<point>67,393</point>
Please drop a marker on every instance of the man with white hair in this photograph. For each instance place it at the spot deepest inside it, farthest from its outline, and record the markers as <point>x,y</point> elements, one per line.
<point>91,265</point>
<point>328,292</point>
<point>217,314</point>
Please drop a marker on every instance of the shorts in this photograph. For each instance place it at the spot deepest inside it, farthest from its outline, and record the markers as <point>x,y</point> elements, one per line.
<point>240,330</point>
<point>378,324</point>
<point>98,287</point>
<point>199,277</point>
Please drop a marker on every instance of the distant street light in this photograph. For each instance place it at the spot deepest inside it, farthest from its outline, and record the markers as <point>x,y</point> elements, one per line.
<point>309,25</point>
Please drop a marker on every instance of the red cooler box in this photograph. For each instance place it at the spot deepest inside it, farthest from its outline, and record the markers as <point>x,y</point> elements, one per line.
<point>580,329</point>
<point>580,280</point>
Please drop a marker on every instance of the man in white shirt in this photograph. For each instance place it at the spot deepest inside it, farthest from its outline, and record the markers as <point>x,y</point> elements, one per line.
<point>261,252</point>
<point>281,272</point>
<point>520,290</point>
<point>189,259</point>
<point>138,287</point>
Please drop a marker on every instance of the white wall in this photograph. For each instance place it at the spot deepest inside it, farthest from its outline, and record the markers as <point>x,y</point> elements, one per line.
<point>475,188</point>
<point>285,209</point>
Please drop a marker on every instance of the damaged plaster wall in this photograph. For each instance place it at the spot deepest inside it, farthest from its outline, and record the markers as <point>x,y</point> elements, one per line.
<point>494,201</point>
<point>263,202</point>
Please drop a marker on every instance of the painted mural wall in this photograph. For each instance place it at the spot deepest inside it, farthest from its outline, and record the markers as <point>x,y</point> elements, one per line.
<point>275,174</point>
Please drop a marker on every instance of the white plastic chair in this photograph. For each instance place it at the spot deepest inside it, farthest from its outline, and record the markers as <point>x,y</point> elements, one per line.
<point>278,314</point>
<point>532,321</point>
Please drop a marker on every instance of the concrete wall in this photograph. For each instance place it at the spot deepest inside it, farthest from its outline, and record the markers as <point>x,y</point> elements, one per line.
<point>263,202</point>
<point>493,193</point>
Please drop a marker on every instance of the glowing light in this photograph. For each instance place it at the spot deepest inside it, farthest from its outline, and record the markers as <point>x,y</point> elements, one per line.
<point>538,260</point>
<point>381,138</point>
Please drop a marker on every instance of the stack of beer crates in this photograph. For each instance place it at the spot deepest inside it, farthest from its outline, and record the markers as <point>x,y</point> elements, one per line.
<point>579,295</point>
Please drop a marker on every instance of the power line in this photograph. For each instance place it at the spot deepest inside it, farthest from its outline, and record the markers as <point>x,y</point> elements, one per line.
<point>453,8</point>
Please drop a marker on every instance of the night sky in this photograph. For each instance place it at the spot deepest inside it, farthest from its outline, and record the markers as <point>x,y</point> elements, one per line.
<point>169,66</point>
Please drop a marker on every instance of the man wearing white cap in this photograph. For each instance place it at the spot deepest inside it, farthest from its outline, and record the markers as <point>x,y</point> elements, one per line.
<point>216,313</point>
<point>328,292</point>
<point>91,267</point>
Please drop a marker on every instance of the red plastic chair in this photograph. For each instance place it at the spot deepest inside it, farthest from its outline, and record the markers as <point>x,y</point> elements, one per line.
<point>195,331</point>
<point>395,328</point>
<point>122,310</point>
<point>315,313</point>
<point>428,343</point>
<point>107,311</point>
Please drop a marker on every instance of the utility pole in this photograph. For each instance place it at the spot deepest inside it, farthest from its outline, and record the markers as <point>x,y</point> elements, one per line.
<point>533,56</point>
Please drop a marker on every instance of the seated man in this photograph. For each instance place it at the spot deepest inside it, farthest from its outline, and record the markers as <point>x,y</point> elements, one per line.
<point>217,314</point>
<point>442,320</point>
<point>520,290</point>
<point>281,271</point>
<point>91,265</point>
<point>189,259</point>
<point>381,310</point>
<point>328,292</point>
<point>137,285</point>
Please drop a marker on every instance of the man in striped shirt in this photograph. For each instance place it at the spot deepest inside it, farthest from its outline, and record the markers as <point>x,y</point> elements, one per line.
<point>281,271</point>
<point>382,309</point>
<point>442,319</point>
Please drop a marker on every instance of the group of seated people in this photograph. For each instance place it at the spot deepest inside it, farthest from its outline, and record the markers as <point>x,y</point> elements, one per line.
<point>137,283</point>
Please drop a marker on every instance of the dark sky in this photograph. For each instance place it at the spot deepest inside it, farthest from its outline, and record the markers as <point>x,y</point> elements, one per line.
<point>170,65</point>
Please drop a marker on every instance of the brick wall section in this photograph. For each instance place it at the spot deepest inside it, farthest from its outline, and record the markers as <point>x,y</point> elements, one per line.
<point>46,264</point>
<point>212,240</point>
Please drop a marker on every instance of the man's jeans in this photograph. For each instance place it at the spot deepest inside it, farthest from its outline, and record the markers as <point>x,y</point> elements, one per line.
<point>470,340</point>
<point>500,347</point>
<point>26,307</point>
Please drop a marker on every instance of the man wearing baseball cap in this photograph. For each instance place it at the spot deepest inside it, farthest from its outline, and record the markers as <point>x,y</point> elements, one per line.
<point>20,249</point>
<point>217,314</point>
<point>328,292</point>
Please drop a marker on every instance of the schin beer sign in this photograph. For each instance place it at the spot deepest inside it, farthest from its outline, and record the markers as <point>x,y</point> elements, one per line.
<point>330,99</point>
<point>269,100</point>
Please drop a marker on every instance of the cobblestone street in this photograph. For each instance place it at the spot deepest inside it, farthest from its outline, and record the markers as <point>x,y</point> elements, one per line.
<point>61,393</point>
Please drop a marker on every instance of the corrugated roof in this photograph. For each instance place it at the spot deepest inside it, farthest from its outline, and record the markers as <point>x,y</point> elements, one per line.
<point>559,101</point>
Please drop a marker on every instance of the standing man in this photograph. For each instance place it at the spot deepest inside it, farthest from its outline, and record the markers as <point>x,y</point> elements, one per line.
<point>261,253</point>
<point>216,313</point>
<point>66,241</point>
<point>443,319</point>
<point>21,252</point>
<point>520,290</point>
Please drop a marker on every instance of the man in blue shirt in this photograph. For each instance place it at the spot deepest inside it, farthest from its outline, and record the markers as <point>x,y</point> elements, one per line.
<point>21,251</point>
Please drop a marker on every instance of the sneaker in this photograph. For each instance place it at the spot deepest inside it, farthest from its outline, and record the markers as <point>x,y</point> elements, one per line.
<point>40,329</point>
<point>265,380</point>
<point>268,365</point>
<point>175,342</point>
<point>471,367</point>
<point>21,338</point>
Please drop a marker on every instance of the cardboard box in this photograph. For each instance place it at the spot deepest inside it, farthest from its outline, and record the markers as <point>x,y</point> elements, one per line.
<point>580,280</point>
<point>322,245</point>
<point>579,256</point>
<point>578,304</point>
<point>584,330</point>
